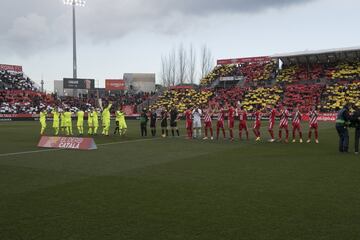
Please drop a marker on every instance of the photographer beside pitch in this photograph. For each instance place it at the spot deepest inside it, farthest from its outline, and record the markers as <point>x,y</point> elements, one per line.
<point>342,121</point>
<point>355,123</point>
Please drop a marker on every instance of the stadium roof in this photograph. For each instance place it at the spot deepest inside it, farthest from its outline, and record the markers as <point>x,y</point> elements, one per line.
<point>320,56</point>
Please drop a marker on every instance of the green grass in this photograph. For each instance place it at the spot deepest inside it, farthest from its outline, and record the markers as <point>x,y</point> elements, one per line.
<point>177,189</point>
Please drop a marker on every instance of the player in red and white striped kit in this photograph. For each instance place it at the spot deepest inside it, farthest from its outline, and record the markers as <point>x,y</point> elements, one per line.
<point>313,122</point>
<point>188,116</point>
<point>272,117</point>
<point>231,121</point>
<point>296,126</point>
<point>242,125</point>
<point>208,123</point>
<point>257,124</point>
<point>284,123</point>
<point>220,113</point>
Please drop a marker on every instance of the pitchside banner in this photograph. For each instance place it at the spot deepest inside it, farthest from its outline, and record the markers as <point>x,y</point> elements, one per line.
<point>11,68</point>
<point>70,83</point>
<point>70,143</point>
<point>115,85</point>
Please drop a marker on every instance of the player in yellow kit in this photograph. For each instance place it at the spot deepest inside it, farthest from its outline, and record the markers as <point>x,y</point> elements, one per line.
<point>62,122</point>
<point>80,122</point>
<point>43,114</point>
<point>121,126</point>
<point>90,122</point>
<point>106,120</point>
<point>56,121</point>
<point>68,122</point>
<point>95,121</point>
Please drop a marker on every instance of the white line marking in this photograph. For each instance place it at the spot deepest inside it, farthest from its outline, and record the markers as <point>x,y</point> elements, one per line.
<point>28,152</point>
<point>53,150</point>
<point>130,141</point>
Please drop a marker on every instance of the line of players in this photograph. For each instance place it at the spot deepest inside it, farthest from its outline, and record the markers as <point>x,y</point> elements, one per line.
<point>62,121</point>
<point>194,122</point>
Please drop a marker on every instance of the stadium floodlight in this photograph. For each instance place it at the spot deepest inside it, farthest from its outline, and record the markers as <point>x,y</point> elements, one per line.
<point>80,3</point>
<point>74,4</point>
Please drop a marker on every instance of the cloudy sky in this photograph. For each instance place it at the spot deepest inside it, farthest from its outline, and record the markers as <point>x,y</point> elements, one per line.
<point>118,36</point>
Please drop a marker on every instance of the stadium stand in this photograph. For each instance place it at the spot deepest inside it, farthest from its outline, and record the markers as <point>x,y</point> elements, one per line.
<point>227,96</point>
<point>20,102</point>
<point>220,71</point>
<point>335,96</point>
<point>262,97</point>
<point>182,99</point>
<point>344,70</point>
<point>326,79</point>
<point>15,81</point>
<point>303,96</point>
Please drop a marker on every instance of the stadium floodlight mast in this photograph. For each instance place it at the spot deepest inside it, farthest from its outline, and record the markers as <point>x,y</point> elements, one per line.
<point>74,4</point>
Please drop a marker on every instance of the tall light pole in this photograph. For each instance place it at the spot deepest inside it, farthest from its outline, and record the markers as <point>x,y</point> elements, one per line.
<point>74,4</point>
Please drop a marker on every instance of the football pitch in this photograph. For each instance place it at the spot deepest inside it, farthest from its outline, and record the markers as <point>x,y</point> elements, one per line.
<point>154,188</point>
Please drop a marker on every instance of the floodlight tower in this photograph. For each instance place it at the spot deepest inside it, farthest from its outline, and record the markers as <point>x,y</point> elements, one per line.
<point>74,4</point>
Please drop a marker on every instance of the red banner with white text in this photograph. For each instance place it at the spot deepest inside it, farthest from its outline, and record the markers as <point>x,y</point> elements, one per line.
<point>115,85</point>
<point>11,68</point>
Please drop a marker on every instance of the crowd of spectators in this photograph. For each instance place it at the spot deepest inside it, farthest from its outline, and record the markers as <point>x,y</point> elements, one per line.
<point>183,99</point>
<point>296,85</point>
<point>31,102</point>
<point>335,96</point>
<point>259,72</point>
<point>251,72</point>
<point>299,73</point>
<point>227,96</point>
<point>262,97</point>
<point>15,81</point>
<point>304,96</point>
<point>220,71</point>
<point>17,101</point>
<point>343,71</point>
